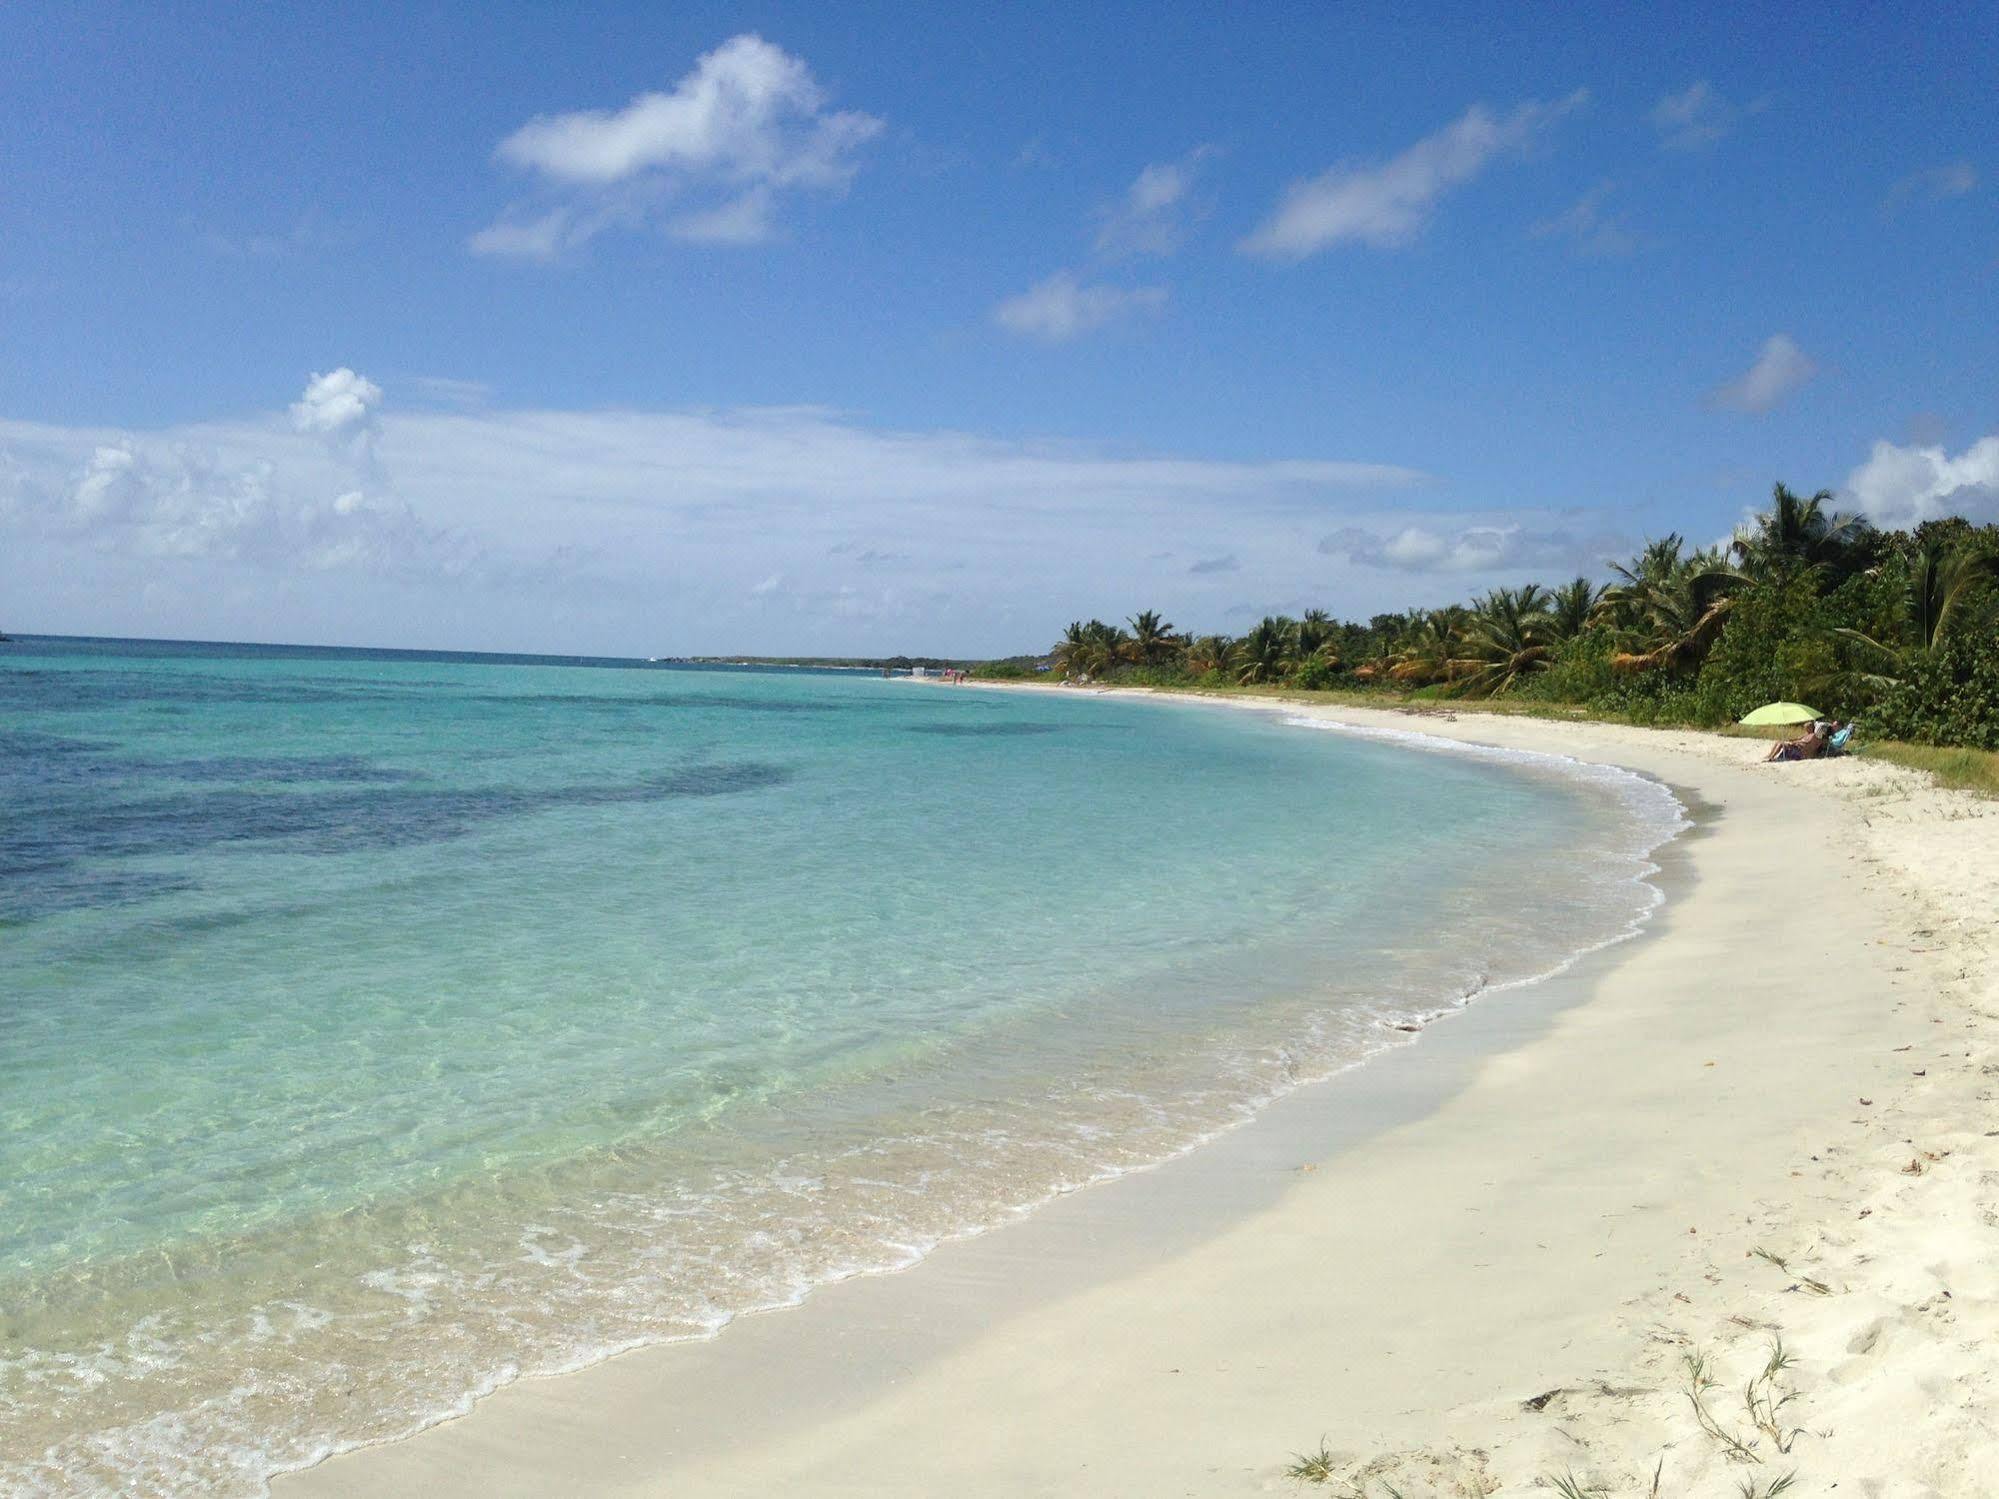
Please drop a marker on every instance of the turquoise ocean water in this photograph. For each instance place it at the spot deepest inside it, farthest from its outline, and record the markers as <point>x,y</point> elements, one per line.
<point>378,1027</point>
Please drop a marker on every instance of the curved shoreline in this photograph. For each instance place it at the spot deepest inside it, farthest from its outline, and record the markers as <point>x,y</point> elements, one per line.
<point>1656,818</point>
<point>1001,1324</point>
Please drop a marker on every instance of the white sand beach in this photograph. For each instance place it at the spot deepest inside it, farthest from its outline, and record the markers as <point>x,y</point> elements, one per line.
<point>1478,1265</point>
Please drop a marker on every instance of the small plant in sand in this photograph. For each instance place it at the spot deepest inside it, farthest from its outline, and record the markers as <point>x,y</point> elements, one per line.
<point>1766,1402</point>
<point>1763,1402</point>
<point>1571,1487</point>
<point>1816,1287</point>
<point>1313,1467</point>
<point>1777,1486</point>
<point>1700,1384</point>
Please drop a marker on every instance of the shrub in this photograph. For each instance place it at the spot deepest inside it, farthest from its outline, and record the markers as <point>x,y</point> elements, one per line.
<point>1946,696</point>
<point>1315,674</point>
<point>1776,645</point>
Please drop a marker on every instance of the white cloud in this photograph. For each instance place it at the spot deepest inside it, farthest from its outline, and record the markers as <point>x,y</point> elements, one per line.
<point>1390,204</point>
<point>1062,306</point>
<point>1477,548</point>
<point>1780,370</point>
<point>1588,227</point>
<point>1697,117</point>
<point>338,406</point>
<point>745,220</point>
<point>231,495</point>
<point>1147,217</point>
<point>710,155</point>
<point>639,532</point>
<point>1951,180</point>
<point>537,237</point>
<point>1904,486</point>
<point>181,501</point>
<point>445,390</point>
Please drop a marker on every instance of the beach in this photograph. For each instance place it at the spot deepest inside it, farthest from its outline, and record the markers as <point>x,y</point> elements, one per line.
<point>774,755</point>
<point>1475,1265</point>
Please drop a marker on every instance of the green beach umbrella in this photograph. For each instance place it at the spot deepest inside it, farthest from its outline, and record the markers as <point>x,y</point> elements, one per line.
<point>1781,713</point>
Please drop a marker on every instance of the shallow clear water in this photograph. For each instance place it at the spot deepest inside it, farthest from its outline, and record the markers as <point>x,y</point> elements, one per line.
<point>375,1027</point>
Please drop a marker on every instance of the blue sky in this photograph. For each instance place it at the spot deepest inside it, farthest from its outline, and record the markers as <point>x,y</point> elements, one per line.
<point>871,328</point>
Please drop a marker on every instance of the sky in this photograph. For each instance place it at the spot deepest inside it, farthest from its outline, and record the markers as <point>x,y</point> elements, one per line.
<point>872,328</point>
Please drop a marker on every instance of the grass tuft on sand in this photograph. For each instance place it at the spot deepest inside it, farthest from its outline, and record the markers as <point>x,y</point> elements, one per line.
<point>1956,768</point>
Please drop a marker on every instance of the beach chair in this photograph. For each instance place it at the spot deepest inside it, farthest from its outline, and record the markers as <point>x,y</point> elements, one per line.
<point>1836,745</point>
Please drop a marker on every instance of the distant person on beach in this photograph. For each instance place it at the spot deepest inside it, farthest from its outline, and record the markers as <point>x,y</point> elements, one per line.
<point>1807,746</point>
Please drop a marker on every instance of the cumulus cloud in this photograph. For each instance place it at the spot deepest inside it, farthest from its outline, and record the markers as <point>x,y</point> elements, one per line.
<point>185,502</point>
<point>1211,565</point>
<point>710,156</point>
<point>1780,371</point>
<point>1390,204</point>
<point>1904,486</point>
<point>209,494</point>
<point>1471,548</point>
<point>1064,306</point>
<point>338,406</point>
<point>1588,227</point>
<point>1148,216</point>
<point>1697,117</point>
<point>1933,184</point>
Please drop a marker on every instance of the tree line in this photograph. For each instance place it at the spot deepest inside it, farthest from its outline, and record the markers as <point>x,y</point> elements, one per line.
<point>1897,628</point>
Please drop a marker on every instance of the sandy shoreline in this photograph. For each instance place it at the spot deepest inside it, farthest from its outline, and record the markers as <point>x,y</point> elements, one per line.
<point>1562,1192</point>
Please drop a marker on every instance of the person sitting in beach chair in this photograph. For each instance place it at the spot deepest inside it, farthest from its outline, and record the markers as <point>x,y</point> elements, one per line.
<point>1807,746</point>
<point>1840,737</point>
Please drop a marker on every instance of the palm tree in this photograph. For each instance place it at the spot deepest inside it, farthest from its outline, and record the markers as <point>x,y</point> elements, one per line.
<point>1265,654</point>
<point>1206,653</point>
<point>1387,632</point>
<point>1507,638</point>
<point>1571,608</point>
<point>1152,638</point>
<point>1667,609</point>
<point>1106,646</point>
<point>1426,652</point>
<point>1071,652</point>
<point>1943,577</point>
<point>1796,532</point>
<point>1088,650</point>
<point>1317,637</point>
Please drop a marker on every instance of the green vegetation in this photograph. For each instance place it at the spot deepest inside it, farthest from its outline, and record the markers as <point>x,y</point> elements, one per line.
<point>850,663</point>
<point>1898,630</point>
<point>1963,769</point>
<point>1313,1467</point>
